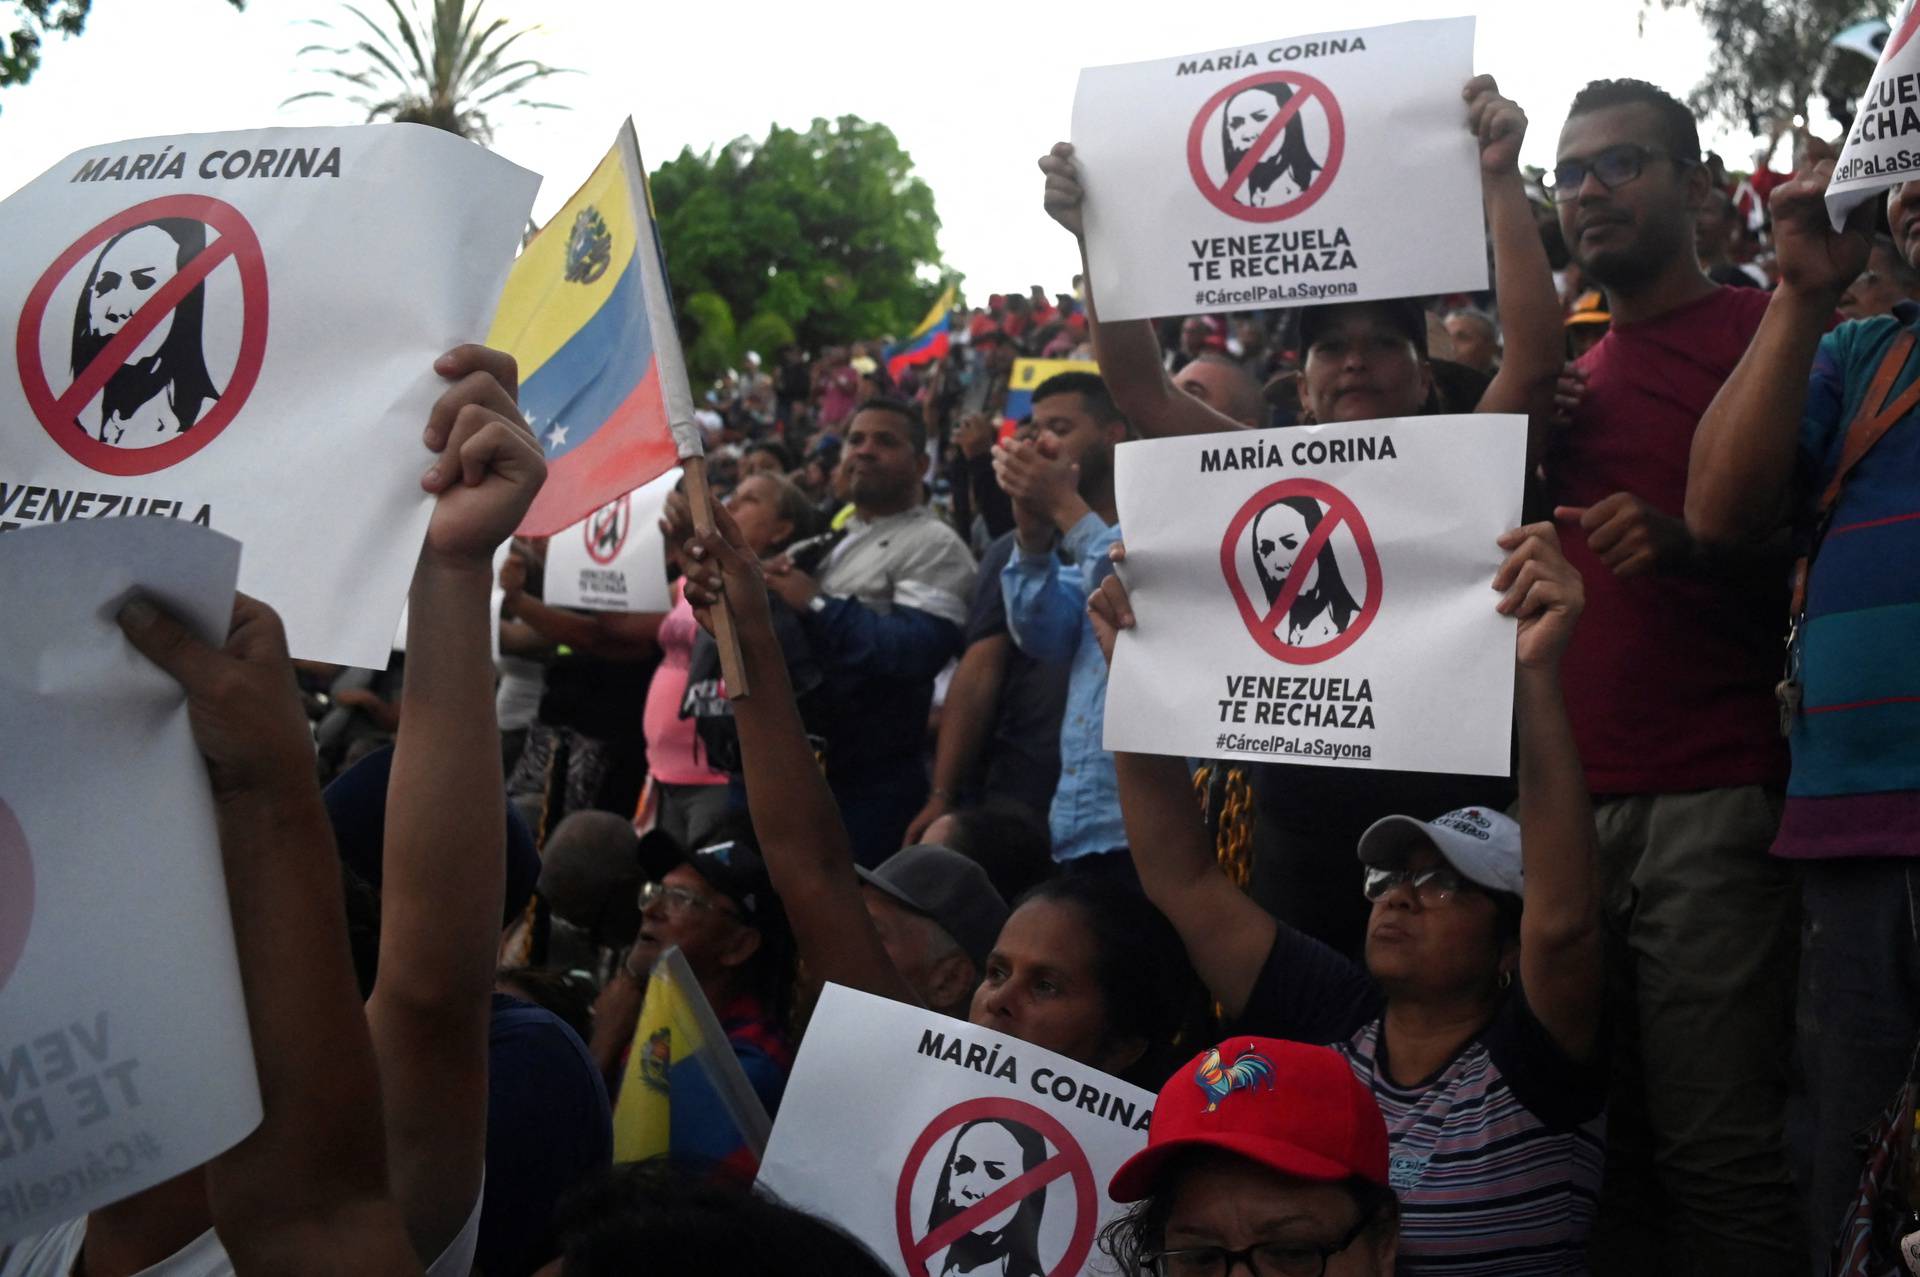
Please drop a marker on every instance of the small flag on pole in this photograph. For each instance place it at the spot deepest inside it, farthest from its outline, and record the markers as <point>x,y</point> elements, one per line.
<point>926,343</point>
<point>681,1063</point>
<point>588,315</point>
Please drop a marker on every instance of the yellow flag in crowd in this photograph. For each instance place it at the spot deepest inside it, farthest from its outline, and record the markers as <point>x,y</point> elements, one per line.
<point>679,1050</point>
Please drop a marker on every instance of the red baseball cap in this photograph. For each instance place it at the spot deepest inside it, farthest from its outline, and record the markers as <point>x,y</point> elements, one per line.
<point>1296,1109</point>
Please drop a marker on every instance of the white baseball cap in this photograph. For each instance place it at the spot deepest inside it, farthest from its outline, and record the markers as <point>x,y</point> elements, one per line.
<point>1483,845</point>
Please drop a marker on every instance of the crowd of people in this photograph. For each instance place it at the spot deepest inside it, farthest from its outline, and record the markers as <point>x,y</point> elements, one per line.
<point>1630,1010</point>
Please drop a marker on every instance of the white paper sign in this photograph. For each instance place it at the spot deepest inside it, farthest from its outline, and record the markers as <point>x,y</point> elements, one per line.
<point>239,329</point>
<point>1883,146</point>
<point>946,1147</point>
<point>615,560</point>
<point>124,1054</point>
<point>1331,167</point>
<point>1383,651</point>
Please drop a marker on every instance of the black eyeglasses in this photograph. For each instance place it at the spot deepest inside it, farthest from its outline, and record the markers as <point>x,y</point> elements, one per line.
<point>1614,167</point>
<point>1269,1259</point>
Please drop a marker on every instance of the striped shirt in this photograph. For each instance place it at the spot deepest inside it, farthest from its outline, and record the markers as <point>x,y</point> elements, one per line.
<point>1855,789</point>
<point>1496,1157</point>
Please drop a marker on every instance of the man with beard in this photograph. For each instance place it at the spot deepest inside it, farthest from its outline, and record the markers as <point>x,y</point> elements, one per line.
<point>1669,684</point>
<point>1061,483</point>
<point>884,619</point>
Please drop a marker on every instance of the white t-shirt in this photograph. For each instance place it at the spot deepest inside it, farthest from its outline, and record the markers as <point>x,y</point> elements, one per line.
<point>52,1254</point>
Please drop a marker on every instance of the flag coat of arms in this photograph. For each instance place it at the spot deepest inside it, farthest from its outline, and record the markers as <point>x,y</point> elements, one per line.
<point>927,342</point>
<point>588,315</point>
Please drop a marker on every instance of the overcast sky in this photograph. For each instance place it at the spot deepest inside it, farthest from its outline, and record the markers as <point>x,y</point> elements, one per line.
<point>974,91</point>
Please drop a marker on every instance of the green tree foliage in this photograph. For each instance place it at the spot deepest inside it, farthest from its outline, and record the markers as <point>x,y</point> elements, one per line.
<point>827,232</point>
<point>447,68</point>
<point>1770,56</point>
<point>33,21</point>
<point>712,349</point>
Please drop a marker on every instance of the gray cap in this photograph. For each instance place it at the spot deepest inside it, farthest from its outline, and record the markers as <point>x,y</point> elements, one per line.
<point>947,887</point>
<point>1482,845</point>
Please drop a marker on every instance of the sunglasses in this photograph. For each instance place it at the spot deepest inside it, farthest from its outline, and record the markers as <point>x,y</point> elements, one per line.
<point>1612,168</point>
<point>678,899</point>
<point>1435,886</point>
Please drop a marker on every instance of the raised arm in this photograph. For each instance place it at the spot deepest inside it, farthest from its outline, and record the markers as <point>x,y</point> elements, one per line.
<point>1530,319</point>
<point>443,865</point>
<point>1560,946</point>
<point>1227,935</point>
<point>1128,352</point>
<point>1740,476</point>
<point>798,826</point>
<point>319,1089</point>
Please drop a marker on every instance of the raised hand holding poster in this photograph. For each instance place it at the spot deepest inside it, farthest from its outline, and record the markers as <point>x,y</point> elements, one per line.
<point>1320,594</point>
<point>124,1053</point>
<point>1280,173</point>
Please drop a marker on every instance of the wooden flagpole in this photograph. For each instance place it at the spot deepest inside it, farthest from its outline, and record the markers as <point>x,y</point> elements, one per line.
<point>733,666</point>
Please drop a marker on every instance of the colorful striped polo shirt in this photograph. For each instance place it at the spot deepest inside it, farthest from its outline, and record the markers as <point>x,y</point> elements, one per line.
<point>1855,788</point>
<point>1496,1158</point>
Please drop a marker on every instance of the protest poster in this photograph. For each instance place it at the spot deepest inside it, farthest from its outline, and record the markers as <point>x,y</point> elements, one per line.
<point>947,1147</point>
<point>238,330</point>
<point>124,1053</point>
<point>1383,651</point>
<point>587,313</point>
<point>615,560</point>
<point>1883,143</point>
<point>1333,167</point>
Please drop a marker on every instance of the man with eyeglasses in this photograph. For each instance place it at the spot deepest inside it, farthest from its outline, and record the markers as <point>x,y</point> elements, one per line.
<point>718,906</point>
<point>1669,685</point>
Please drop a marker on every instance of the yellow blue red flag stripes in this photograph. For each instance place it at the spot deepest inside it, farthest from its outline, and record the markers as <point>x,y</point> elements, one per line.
<point>1027,376</point>
<point>681,1063</point>
<point>588,315</point>
<point>926,343</point>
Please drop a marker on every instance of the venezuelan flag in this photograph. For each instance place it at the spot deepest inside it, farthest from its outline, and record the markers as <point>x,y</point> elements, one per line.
<point>926,343</point>
<point>682,1092</point>
<point>1026,377</point>
<point>587,313</point>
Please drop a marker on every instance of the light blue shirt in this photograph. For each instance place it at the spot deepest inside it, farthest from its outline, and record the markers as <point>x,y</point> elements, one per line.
<point>1047,616</point>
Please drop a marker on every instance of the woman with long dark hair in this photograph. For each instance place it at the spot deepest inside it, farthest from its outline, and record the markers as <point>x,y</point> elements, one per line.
<point>1323,607</point>
<point>1287,171</point>
<point>984,1156</point>
<point>158,392</point>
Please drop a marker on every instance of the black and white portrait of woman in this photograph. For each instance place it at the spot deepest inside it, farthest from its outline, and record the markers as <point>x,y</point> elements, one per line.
<point>1284,172</point>
<point>1324,607</point>
<point>985,1156</point>
<point>162,386</point>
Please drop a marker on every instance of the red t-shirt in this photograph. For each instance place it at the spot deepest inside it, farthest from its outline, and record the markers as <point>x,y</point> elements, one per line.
<point>1669,678</point>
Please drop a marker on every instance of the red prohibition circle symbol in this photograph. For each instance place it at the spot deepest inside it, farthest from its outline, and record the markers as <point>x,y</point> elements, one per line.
<point>16,891</point>
<point>1069,1160</point>
<point>606,530</point>
<point>1224,195</point>
<point>1266,622</point>
<point>59,412</point>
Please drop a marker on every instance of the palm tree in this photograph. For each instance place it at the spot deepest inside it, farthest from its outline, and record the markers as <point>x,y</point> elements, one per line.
<point>447,70</point>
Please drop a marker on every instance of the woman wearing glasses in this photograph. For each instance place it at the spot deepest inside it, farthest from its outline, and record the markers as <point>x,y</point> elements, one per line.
<point>1474,1020</point>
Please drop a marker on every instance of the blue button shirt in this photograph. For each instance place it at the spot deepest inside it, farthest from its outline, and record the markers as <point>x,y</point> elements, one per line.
<point>1047,616</point>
